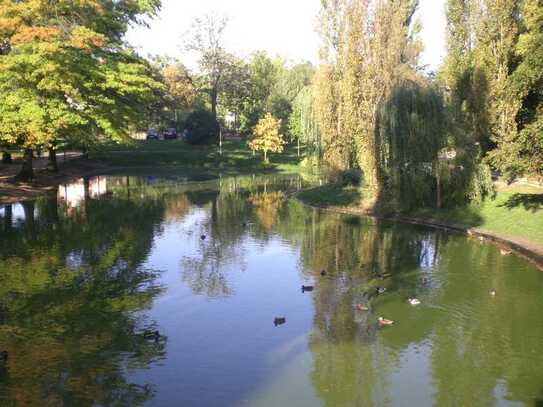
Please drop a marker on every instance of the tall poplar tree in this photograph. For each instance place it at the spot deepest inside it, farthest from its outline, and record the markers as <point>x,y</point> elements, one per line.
<point>367,49</point>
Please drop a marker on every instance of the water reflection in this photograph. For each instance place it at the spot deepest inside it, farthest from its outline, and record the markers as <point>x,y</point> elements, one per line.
<point>85,273</point>
<point>70,292</point>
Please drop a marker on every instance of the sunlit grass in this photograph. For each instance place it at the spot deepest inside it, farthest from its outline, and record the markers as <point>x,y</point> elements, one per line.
<point>173,153</point>
<point>516,211</point>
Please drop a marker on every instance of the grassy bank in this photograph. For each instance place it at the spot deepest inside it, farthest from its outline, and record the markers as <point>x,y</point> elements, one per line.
<point>516,213</point>
<point>235,157</point>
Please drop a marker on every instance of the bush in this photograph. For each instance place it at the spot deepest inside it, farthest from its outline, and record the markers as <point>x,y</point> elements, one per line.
<point>351,177</point>
<point>202,127</point>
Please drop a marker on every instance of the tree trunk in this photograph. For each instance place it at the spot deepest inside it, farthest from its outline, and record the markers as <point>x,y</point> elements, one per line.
<point>8,217</point>
<point>27,171</point>
<point>52,161</point>
<point>6,158</point>
<point>214,95</point>
<point>438,187</point>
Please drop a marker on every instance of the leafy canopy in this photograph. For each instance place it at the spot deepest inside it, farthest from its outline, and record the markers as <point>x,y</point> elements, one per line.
<point>266,136</point>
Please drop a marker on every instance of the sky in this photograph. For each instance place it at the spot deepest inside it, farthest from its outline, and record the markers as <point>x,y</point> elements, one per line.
<point>280,27</point>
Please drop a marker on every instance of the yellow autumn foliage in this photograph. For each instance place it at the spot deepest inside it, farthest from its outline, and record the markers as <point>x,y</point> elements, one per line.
<point>266,136</point>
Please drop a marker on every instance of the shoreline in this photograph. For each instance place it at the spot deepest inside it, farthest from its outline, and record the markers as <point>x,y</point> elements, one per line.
<point>77,168</point>
<point>530,251</point>
<point>45,182</point>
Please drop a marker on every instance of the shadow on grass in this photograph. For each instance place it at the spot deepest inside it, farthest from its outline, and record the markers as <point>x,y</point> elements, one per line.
<point>530,202</point>
<point>332,195</point>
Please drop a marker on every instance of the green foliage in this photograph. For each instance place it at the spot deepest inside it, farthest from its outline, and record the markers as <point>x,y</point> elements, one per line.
<point>202,127</point>
<point>410,133</point>
<point>273,87</point>
<point>493,69</point>
<point>65,73</point>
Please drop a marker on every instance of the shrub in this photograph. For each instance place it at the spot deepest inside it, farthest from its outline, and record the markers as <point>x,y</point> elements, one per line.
<point>202,127</point>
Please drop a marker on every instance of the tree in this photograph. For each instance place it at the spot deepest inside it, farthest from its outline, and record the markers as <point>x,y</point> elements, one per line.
<point>66,74</point>
<point>236,90</point>
<point>522,151</point>
<point>303,126</point>
<point>266,136</point>
<point>207,40</point>
<point>262,79</point>
<point>367,48</point>
<point>496,33</point>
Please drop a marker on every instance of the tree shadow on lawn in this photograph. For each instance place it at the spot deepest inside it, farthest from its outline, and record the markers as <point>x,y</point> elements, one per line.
<point>530,202</point>
<point>333,195</point>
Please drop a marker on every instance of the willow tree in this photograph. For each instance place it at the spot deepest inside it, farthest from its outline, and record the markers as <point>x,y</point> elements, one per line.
<point>367,48</point>
<point>410,134</point>
<point>66,73</point>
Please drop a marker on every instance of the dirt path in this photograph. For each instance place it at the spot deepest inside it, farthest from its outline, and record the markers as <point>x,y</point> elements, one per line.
<point>71,166</point>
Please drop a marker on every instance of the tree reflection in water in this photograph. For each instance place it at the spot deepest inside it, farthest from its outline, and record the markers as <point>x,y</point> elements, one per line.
<point>70,296</point>
<point>73,287</point>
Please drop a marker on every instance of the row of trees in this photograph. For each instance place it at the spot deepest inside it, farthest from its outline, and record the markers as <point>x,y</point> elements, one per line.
<point>66,75</point>
<point>239,92</point>
<point>494,73</point>
<point>67,78</point>
<point>422,139</point>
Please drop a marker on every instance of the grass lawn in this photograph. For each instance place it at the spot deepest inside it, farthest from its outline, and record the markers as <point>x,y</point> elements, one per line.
<point>235,158</point>
<point>516,212</point>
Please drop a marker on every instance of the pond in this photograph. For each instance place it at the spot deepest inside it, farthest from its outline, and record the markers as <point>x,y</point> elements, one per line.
<point>216,267</point>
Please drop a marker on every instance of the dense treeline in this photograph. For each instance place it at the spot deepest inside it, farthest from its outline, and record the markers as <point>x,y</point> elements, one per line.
<point>67,77</point>
<point>420,139</point>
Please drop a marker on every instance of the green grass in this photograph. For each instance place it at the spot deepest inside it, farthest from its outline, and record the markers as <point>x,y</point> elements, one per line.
<point>235,158</point>
<point>516,212</point>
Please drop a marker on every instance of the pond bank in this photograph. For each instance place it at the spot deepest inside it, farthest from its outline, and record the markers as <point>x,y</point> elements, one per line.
<point>530,249</point>
<point>45,181</point>
<point>234,158</point>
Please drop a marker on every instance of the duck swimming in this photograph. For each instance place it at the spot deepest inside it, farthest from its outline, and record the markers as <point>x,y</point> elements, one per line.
<point>203,237</point>
<point>493,293</point>
<point>385,322</point>
<point>307,288</point>
<point>413,301</point>
<point>361,307</point>
<point>381,290</point>
<point>279,321</point>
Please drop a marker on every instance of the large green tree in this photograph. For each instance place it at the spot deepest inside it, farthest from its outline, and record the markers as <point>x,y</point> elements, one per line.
<point>522,151</point>
<point>66,74</point>
<point>366,50</point>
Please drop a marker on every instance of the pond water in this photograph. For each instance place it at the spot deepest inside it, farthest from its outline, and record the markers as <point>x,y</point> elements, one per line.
<point>87,276</point>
